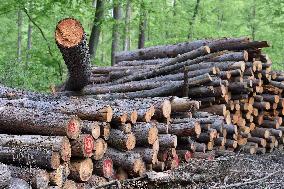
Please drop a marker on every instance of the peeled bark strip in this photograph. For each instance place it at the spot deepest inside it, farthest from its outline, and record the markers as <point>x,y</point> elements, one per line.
<point>30,156</point>
<point>81,169</point>
<point>72,42</point>
<point>130,161</point>
<point>145,133</point>
<point>29,121</point>
<point>83,146</point>
<point>57,143</point>
<point>37,178</point>
<point>118,139</point>
<point>104,168</point>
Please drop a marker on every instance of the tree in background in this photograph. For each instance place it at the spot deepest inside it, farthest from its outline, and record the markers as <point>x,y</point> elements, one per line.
<point>168,22</point>
<point>126,40</point>
<point>142,25</point>
<point>96,29</point>
<point>117,15</point>
<point>192,20</point>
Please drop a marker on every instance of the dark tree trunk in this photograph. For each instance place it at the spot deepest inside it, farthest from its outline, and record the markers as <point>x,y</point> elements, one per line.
<point>19,47</point>
<point>117,14</point>
<point>142,25</point>
<point>72,42</point>
<point>96,29</point>
<point>29,42</point>
<point>126,41</point>
<point>191,23</point>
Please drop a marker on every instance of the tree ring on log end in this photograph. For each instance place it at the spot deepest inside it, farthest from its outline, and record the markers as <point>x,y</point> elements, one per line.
<point>65,150</point>
<point>73,128</point>
<point>86,170</point>
<point>108,168</point>
<point>153,135</point>
<point>131,142</point>
<point>55,160</point>
<point>166,107</point>
<point>88,145</point>
<point>69,32</point>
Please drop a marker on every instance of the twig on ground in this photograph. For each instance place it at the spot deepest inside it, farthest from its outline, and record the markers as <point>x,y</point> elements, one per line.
<point>248,182</point>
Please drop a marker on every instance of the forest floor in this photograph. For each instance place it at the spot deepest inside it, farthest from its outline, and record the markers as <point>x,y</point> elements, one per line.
<point>239,171</point>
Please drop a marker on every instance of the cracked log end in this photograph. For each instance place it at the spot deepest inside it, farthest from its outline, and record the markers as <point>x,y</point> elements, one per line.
<point>69,32</point>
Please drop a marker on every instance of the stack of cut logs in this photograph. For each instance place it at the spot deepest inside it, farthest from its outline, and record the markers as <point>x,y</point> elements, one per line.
<point>157,107</point>
<point>231,78</point>
<point>82,142</point>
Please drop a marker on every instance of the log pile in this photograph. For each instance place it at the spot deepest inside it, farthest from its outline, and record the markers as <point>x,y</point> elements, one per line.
<point>156,108</point>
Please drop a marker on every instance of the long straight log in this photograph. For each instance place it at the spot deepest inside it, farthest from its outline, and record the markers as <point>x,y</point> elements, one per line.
<point>58,143</point>
<point>30,121</point>
<point>180,48</point>
<point>30,156</point>
<point>169,66</point>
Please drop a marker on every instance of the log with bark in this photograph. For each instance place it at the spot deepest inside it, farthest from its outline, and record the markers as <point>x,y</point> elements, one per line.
<point>72,43</point>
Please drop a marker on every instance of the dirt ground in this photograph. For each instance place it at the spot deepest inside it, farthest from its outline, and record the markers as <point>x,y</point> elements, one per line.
<point>238,171</point>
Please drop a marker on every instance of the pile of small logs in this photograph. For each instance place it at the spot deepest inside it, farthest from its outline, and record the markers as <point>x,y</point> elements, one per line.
<point>231,78</point>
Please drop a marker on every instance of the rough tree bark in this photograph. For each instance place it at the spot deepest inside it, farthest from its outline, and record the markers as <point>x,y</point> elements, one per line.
<point>72,42</point>
<point>96,29</point>
<point>191,23</point>
<point>117,14</point>
<point>142,25</point>
<point>126,40</point>
<point>19,47</point>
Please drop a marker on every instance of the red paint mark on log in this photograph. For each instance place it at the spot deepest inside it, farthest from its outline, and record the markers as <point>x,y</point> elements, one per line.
<point>88,144</point>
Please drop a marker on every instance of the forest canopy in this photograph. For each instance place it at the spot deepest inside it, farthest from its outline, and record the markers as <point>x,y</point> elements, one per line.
<point>29,57</point>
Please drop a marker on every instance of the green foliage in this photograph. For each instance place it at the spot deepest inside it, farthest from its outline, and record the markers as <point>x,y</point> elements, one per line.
<point>166,23</point>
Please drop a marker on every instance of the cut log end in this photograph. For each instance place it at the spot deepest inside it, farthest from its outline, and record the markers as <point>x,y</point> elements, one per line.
<point>108,114</point>
<point>55,160</point>
<point>100,148</point>
<point>66,150</point>
<point>73,128</point>
<point>131,142</point>
<point>88,145</point>
<point>133,116</point>
<point>153,135</point>
<point>108,168</point>
<point>69,32</point>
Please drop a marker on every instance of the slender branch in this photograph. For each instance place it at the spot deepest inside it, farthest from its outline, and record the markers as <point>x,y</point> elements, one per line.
<point>248,182</point>
<point>42,34</point>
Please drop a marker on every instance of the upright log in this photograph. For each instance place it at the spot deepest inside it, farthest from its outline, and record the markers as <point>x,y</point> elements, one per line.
<point>72,43</point>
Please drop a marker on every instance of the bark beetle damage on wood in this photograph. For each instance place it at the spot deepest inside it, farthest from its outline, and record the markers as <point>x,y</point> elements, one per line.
<point>156,109</point>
